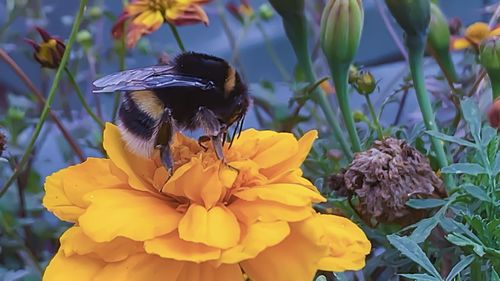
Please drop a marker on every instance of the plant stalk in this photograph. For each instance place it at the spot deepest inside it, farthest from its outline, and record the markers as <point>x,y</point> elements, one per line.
<point>416,45</point>
<point>82,99</point>
<point>177,37</point>
<point>50,98</point>
<point>374,117</point>
<point>340,77</point>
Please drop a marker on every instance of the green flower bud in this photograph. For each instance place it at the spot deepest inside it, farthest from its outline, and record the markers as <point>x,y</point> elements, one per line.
<point>358,116</point>
<point>341,26</point>
<point>265,12</point>
<point>365,83</point>
<point>412,15</point>
<point>288,8</point>
<point>489,57</point>
<point>439,42</point>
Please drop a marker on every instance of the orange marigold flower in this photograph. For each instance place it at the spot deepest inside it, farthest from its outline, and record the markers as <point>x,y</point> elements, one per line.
<point>208,222</point>
<point>146,16</point>
<point>474,34</point>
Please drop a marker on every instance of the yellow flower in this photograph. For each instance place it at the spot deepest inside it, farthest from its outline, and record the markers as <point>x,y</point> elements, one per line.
<point>146,16</point>
<point>474,34</point>
<point>207,222</point>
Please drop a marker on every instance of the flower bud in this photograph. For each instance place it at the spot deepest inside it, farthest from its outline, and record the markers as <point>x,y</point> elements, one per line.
<point>412,15</point>
<point>494,114</point>
<point>3,142</point>
<point>48,53</point>
<point>489,57</point>
<point>439,41</point>
<point>341,26</point>
<point>358,116</point>
<point>364,82</point>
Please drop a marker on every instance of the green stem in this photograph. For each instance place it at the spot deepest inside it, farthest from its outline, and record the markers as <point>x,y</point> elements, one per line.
<point>495,83</point>
<point>82,99</point>
<point>296,32</point>
<point>339,74</point>
<point>475,270</point>
<point>416,57</point>
<point>50,99</point>
<point>177,37</point>
<point>374,117</point>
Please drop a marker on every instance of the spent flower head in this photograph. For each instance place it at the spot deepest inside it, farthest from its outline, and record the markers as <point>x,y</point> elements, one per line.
<point>384,178</point>
<point>147,16</point>
<point>49,52</point>
<point>207,222</point>
<point>494,114</point>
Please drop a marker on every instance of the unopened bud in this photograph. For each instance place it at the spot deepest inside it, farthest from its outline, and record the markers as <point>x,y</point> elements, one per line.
<point>494,114</point>
<point>412,15</point>
<point>48,53</point>
<point>364,82</point>
<point>489,57</point>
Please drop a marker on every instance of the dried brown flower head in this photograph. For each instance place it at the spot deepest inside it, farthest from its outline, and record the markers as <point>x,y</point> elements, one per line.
<point>384,177</point>
<point>3,142</point>
<point>494,114</point>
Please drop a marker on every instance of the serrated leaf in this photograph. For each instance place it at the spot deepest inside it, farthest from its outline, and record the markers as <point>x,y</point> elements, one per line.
<point>460,240</point>
<point>425,203</point>
<point>472,117</point>
<point>461,265</point>
<point>448,138</point>
<point>411,250</point>
<point>476,192</point>
<point>420,277</point>
<point>464,168</point>
<point>423,229</point>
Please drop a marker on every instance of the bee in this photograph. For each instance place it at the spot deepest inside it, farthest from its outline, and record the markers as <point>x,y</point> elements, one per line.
<point>192,91</point>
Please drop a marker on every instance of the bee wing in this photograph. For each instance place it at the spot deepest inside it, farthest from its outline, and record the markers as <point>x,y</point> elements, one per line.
<point>158,76</point>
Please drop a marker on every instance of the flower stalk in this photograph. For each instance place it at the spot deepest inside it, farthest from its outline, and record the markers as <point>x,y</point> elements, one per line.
<point>177,37</point>
<point>414,17</point>
<point>295,25</point>
<point>50,99</point>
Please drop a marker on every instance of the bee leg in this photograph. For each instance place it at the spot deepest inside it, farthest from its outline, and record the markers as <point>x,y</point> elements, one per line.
<point>217,143</point>
<point>163,140</point>
<point>202,140</point>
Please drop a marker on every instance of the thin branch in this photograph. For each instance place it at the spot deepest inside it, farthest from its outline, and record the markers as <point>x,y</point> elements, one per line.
<point>4,56</point>
<point>391,30</point>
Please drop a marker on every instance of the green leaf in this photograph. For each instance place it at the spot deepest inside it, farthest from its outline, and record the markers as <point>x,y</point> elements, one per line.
<point>472,117</point>
<point>420,277</point>
<point>460,240</point>
<point>464,168</point>
<point>448,138</point>
<point>487,134</point>
<point>410,249</point>
<point>494,275</point>
<point>496,167</point>
<point>423,229</point>
<point>425,203</point>
<point>476,192</point>
<point>461,265</point>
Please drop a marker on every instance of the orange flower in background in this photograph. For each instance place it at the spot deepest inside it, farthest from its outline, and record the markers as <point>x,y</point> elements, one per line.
<point>146,16</point>
<point>208,222</point>
<point>474,34</point>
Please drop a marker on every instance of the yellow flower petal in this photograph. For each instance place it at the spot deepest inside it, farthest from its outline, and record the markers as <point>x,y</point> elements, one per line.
<point>127,213</point>
<point>207,272</point>
<point>56,201</point>
<point>77,268</point>
<point>140,170</point>
<point>294,160</point>
<point>293,176</point>
<point>216,227</point>
<point>257,238</point>
<point>275,149</point>
<point>347,243</point>
<point>75,242</point>
<point>140,268</point>
<point>151,19</point>
<point>495,32</point>
<point>288,194</point>
<point>476,32</point>
<point>295,258</point>
<point>172,247</point>
<point>460,43</point>
<point>268,211</point>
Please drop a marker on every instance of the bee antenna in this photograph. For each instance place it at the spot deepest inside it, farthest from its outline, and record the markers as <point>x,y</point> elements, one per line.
<point>241,124</point>
<point>234,132</point>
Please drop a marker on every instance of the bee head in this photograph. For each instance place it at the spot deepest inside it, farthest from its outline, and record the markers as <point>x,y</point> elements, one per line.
<point>211,68</point>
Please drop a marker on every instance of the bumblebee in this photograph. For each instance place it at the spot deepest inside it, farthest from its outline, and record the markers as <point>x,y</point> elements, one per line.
<point>190,92</point>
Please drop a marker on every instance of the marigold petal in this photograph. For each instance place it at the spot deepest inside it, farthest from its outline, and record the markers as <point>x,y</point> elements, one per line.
<point>172,247</point>
<point>476,32</point>
<point>208,272</point>
<point>288,194</point>
<point>216,227</point>
<point>140,170</point>
<point>459,43</point>
<point>293,176</point>
<point>151,19</point>
<point>295,258</point>
<point>347,243</point>
<point>258,237</point>
<point>276,149</point>
<point>268,211</point>
<point>140,267</point>
<point>495,32</point>
<point>111,212</point>
<point>75,242</point>
<point>56,201</point>
<point>77,268</point>
<point>294,160</point>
